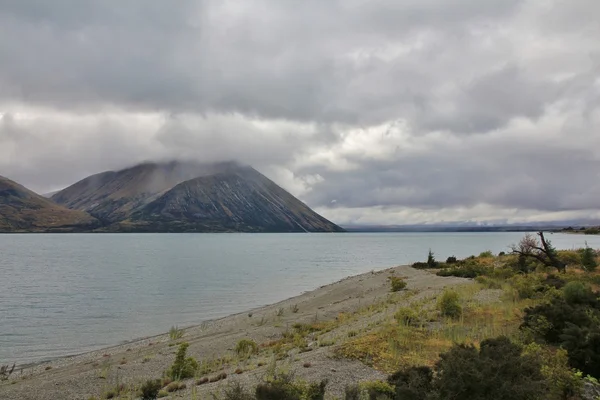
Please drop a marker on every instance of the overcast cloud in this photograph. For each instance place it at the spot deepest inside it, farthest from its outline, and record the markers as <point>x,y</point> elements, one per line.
<point>371,111</point>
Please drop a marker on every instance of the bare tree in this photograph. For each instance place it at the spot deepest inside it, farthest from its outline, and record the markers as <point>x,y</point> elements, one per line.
<point>540,250</point>
<point>6,371</point>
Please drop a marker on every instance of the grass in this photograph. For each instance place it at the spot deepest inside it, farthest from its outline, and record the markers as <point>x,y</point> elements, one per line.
<point>175,333</point>
<point>396,343</point>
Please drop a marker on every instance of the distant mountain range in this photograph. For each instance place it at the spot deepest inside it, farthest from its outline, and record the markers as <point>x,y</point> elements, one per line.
<point>164,197</point>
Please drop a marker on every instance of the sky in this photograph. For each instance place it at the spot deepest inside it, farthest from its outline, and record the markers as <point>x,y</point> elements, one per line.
<point>370,111</point>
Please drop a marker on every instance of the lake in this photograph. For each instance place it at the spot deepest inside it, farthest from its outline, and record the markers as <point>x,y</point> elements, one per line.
<point>62,294</point>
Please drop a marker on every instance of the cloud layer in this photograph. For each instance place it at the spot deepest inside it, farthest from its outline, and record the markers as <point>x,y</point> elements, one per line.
<point>371,111</point>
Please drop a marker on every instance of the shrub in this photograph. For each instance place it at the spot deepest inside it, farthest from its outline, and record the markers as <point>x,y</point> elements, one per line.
<point>588,259</point>
<point>526,286</point>
<point>246,347</point>
<point>162,393</point>
<point>420,265</point>
<point>397,283</point>
<point>406,316</point>
<point>150,389</point>
<point>578,293</point>
<point>352,392</point>
<point>563,381</point>
<point>451,260</point>
<point>466,269</point>
<point>414,383</point>
<point>486,254</point>
<point>583,347</point>
<point>235,391</point>
<point>377,390</point>
<point>582,310</point>
<point>182,367</point>
<point>431,263</point>
<point>282,387</point>
<point>449,305</point>
<point>498,370</point>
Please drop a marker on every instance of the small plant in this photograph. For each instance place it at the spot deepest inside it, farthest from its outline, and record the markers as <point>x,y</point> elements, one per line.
<point>246,347</point>
<point>6,371</point>
<point>449,304</point>
<point>431,262</point>
<point>451,260</point>
<point>279,312</point>
<point>377,390</point>
<point>175,386</point>
<point>406,316</point>
<point>397,283</point>
<point>183,367</point>
<point>162,393</point>
<point>150,389</point>
<point>235,391</point>
<point>175,333</point>
<point>486,254</point>
<point>588,259</point>
<point>294,308</point>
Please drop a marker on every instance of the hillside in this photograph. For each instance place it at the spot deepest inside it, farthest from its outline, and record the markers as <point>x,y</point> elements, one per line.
<point>188,197</point>
<point>22,210</point>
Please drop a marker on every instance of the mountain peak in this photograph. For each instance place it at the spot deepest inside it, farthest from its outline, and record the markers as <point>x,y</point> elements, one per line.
<point>188,196</point>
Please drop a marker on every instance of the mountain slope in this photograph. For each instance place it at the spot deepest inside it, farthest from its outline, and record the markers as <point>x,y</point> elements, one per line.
<point>22,210</point>
<point>186,197</point>
<point>113,196</point>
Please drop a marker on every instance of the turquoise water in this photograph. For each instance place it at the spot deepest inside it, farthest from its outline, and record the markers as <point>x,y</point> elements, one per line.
<point>68,293</point>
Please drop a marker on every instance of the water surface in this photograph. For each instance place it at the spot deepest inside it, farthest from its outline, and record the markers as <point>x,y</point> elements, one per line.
<point>62,294</point>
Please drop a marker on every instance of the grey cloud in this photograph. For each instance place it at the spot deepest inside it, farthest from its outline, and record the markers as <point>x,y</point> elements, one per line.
<point>353,105</point>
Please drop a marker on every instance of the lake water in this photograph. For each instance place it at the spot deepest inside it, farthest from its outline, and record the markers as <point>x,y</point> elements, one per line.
<point>63,294</point>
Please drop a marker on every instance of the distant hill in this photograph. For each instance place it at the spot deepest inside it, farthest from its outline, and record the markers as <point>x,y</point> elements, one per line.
<point>22,210</point>
<point>189,197</point>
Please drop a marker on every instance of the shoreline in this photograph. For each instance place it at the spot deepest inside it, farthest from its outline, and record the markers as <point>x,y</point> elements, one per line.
<point>202,324</point>
<point>92,373</point>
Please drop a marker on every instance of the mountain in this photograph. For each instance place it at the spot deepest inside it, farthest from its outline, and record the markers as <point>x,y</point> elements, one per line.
<point>22,210</point>
<point>190,197</point>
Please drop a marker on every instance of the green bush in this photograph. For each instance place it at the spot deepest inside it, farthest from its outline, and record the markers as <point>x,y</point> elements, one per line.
<point>449,304</point>
<point>588,259</point>
<point>583,347</point>
<point>414,383</point>
<point>150,389</point>
<point>578,293</point>
<point>377,390</point>
<point>282,387</point>
<point>486,254</point>
<point>235,391</point>
<point>406,316</point>
<point>465,269</point>
<point>498,370</point>
<point>431,263</point>
<point>246,347</point>
<point>397,283</point>
<point>451,260</point>
<point>182,367</point>
<point>563,381</point>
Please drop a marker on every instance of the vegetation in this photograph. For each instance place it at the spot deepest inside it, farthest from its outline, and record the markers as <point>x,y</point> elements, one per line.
<point>183,367</point>
<point>397,283</point>
<point>150,389</point>
<point>246,348</point>
<point>6,371</point>
<point>537,340</point>
<point>449,304</point>
<point>175,333</point>
<point>588,259</point>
